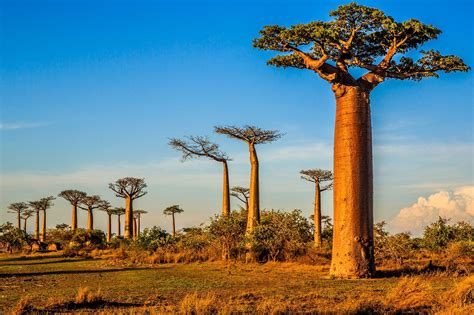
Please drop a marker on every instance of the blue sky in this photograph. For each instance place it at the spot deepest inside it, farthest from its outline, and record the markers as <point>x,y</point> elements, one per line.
<point>91,91</point>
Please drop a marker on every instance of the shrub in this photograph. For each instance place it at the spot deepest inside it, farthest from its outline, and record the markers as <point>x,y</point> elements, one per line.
<point>61,234</point>
<point>13,238</point>
<point>88,239</point>
<point>227,233</point>
<point>153,238</point>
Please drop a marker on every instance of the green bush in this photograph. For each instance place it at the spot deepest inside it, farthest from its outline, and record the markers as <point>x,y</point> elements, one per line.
<point>13,238</point>
<point>227,233</point>
<point>85,239</point>
<point>153,238</point>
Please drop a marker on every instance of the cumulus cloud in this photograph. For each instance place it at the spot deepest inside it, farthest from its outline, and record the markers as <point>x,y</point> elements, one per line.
<point>456,205</point>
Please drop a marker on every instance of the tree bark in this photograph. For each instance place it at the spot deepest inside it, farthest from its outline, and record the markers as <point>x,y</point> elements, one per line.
<point>225,191</point>
<point>109,228</point>
<point>352,254</point>
<point>74,217</point>
<point>254,198</point>
<point>43,229</point>
<point>119,232</point>
<point>174,227</point>
<point>90,220</point>
<point>19,220</point>
<point>317,216</point>
<point>128,232</point>
<point>24,224</point>
<point>138,224</point>
<point>135,228</point>
<point>37,225</point>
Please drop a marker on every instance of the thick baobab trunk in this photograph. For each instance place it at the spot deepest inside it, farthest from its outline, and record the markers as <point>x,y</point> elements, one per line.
<point>43,229</point>
<point>19,220</point>
<point>225,191</point>
<point>74,217</point>
<point>37,225</point>
<point>135,233</point>
<point>174,227</point>
<point>317,216</point>
<point>119,232</point>
<point>254,198</point>
<point>128,231</point>
<point>90,220</point>
<point>138,225</point>
<point>352,254</point>
<point>109,228</point>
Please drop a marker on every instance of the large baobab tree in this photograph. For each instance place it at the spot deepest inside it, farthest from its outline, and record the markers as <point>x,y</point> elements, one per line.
<point>74,197</point>
<point>318,176</point>
<point>242,194</point>
<point>41,205</point>
<point>90,203</point>
<point>18,208</point>
<point>129,188</point>
<point>138,217</point>
<point>118,211</point>
<point>252,136</point>
<point>202,147</point>
<point>25,215</point>
<point>107,209</point>
<point>364,38</point>
<point>172,210</point>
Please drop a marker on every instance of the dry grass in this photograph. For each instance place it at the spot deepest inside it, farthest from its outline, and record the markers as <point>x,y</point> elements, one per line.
<point>23,306</point>
<point>198,304</point>
<point>86,296</point>
<point>411,294</point>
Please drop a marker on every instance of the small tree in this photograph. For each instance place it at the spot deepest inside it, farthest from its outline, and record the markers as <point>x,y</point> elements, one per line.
<point>356,37</point>
<point>172,211</point>
<point>252,136</point>
<point>25,215</point>
<point>242,194</point>
<point>74,197</point>
<point>13,238</point>
<point>129,188</point>
<point>90,203</point>
<point>118,211</point>
<point>41,205</point>
<point>201,147</point>
<point>317,176</point>
<point>18,208</point>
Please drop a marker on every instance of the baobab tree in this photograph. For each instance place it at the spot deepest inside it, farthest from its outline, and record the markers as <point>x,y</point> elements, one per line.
<point>74,197</point>
<point>318,176</point>
<point>172,210</point>
<point>36,207</point>
<point>138,216</point>
<point>25,215</point>
<point>252,136</point>
<point>41,205</point>
<point>118,211</point>
<point>107,209</point>
<point>129,188</point>
<point>197,147</point>
<point>364,38</point>
<point>90,203</point>
<point>18,208</point>
<point>242,194</point>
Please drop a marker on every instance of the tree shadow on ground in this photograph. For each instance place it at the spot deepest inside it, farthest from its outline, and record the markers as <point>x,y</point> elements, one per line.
<point>62,272</point>
<point>409,271</point>
<point>27,258</point>
<point>47,262</point>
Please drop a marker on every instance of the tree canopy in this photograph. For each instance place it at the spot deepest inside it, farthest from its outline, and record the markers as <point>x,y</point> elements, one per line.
<point>197,146</point>
<point>249,134</point>
<point>240,193</point>
<point>93,202</point>
<point>129,187</point>
<point>172,210</point>
<point>362,37</point>
<point>72,195</point>
<point>17,207</point>
<point>318,176</point>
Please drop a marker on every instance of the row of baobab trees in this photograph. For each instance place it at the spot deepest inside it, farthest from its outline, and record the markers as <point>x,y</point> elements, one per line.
<point>130,188</point>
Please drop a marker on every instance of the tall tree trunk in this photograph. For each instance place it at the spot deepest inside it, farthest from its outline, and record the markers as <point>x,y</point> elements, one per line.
<point>74,217</point>
<point>24,224</point>
<point>90,220</point>
<point>138,225</point>
<point>37,225</point>
<point>119,232</point>
<point>135,228</point>
<point>43,229</point>
<point>225,191</point>
<point>174,227</point>
<point>353,251</point>
<point>128,232</point>
<point>317,216</point>
<point>254,198</point>
<point>109,228</point>
<point>19,220</point>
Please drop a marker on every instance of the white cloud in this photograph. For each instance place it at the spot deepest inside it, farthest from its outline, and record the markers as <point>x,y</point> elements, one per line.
<point>20,125</point>
<point>456,205</point>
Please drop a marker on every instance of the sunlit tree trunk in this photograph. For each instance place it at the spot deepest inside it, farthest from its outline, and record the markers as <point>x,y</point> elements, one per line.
<point>43,229</point>
<point>109,228</point>
<point>74,217</point>
<point>352,254</point>
<point>254,196</point>
<point>174,227</point>
<point>138,225</point>
<point>24,224</point>
<point>317,216</point>
<point>226,191</point>
<point>37,224</point>
<point>90,220</point>
<point>135,233</point>
<point>119,228</point>
<point>128,232</point>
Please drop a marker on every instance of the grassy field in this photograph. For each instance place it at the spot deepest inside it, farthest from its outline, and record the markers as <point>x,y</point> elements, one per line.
<point>52,282</point>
